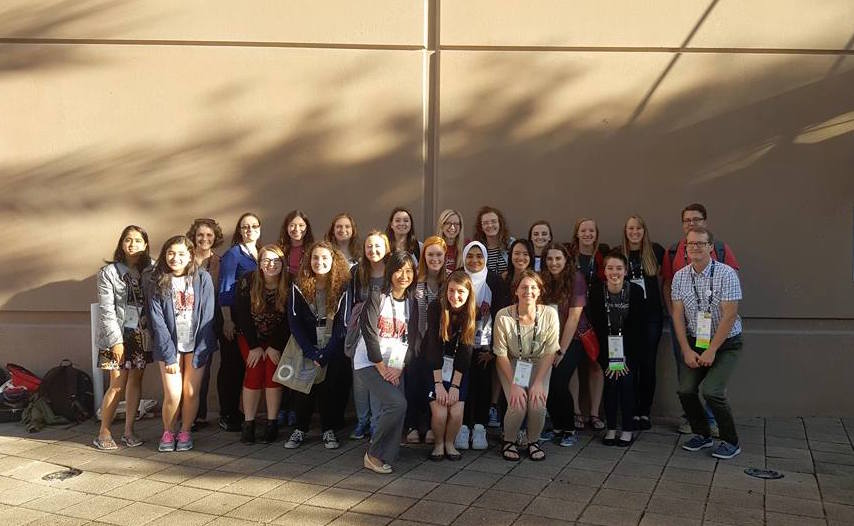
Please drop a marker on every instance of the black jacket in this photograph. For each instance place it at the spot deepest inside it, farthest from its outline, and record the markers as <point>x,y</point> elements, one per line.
<point>368,324</point>
<point>242,313</point>
<point>435,349</point>
<point>303,323</point>
<point>633,327</point>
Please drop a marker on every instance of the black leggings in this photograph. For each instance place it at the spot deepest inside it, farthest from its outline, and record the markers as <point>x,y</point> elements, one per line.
<point>229,378</point>
<point>644,372</point>
<point>620,393</point>
<point>560,404</point>
<point>479,398</point>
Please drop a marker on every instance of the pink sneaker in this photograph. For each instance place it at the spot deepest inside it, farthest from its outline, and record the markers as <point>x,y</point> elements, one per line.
<point>167,442</point>
<point>185,441</point>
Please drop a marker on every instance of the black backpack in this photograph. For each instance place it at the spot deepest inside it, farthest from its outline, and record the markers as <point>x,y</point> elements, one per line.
<point>69,392</point>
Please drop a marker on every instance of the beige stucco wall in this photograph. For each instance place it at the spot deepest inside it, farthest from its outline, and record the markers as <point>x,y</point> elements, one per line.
<point>158,112</point>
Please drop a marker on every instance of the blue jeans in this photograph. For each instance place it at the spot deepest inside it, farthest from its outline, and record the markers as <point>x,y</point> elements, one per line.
<point>680,364</point>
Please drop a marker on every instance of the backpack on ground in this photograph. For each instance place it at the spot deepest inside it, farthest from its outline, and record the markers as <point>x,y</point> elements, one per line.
<point>69,392</point>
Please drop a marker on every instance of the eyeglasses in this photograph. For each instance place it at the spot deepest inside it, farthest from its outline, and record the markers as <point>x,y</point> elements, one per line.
<point>696,244</point>
<point>250,227</point>
<point>271,261</point>
<point>692,220</point>
<point>450,223</point>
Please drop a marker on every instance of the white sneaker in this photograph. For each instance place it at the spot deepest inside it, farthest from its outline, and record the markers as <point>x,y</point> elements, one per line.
<point>330,441</point>
<point>462,440</point>
<point>478,439</point>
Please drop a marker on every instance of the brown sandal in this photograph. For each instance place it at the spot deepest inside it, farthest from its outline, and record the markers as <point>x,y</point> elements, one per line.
<point>510,452</point>
<point>535,452</point>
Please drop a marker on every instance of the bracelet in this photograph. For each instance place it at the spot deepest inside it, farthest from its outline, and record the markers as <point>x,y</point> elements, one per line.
<point>455,385</point>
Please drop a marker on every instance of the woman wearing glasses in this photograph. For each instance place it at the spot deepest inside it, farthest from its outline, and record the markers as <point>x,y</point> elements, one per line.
<point>259,312</point>
<point>450,228</point>
<point>239,260</point>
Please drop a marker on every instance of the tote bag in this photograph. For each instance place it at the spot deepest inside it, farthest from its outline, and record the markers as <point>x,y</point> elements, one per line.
<point>296,371</point>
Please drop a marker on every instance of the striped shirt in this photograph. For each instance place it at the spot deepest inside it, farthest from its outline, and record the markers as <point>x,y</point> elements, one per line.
<point>725,286</point>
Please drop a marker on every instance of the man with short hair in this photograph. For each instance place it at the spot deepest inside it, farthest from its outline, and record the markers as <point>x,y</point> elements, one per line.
<point>675,258</point>
<point>705,296</point>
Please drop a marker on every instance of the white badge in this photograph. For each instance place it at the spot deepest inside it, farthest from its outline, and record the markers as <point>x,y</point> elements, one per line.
<point>616,356</point>
<point>183,326</point>
<point>522,374</point>
<point>447,369</point>
<point>131,317</point>
<point>704,329</point>
<point>642,284</point>
<point>396,352</point>
<point>322,337</point>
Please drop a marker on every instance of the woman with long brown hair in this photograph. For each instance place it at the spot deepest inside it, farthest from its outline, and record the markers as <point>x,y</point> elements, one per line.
<point>588,254</point>
<point>294,236</point>
<point>491,229</point>
<point>259,312</point>
<point>564,288</point>
<point>317,314</point>
<point>448,347</point>
<point>122,324</point>
<point>344,236</point>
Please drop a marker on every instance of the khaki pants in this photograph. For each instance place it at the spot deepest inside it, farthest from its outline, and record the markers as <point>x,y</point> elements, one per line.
<point>536,414</point>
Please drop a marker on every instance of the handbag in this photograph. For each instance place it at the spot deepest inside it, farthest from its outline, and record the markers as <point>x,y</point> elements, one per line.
<point>588,337</point>
<point>296,371</point>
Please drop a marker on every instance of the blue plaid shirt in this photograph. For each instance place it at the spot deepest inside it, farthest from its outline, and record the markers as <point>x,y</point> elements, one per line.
<point>726,287</point>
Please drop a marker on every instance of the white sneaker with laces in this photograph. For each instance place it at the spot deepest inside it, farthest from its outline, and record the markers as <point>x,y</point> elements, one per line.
<point>462,440</point>
<point>478,439</point>
<point>296,439</point>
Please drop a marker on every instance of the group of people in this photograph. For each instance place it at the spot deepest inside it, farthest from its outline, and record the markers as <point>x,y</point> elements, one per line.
<point>434,339</point>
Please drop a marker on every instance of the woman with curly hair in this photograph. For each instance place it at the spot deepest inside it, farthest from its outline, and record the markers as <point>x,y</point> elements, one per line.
<point>317,312</point>
<point>344,236</point>
<point>259,311</point>
<point>294,236</point>
<point>206,235</point>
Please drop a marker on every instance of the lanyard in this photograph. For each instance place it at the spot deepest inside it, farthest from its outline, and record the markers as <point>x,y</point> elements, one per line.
<point>623,299</point>
<point>636,268</point>
<point>711,286</point>
<point>519,331</point>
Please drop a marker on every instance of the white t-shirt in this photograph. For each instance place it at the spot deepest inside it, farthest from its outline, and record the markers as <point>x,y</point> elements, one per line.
<point>391,326</point>
<point>183,298</point>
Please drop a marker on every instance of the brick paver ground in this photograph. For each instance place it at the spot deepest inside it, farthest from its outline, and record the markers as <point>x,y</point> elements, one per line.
<point>223,482</point>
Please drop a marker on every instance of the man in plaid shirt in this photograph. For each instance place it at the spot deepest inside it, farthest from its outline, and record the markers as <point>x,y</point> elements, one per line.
<point>705,297</point>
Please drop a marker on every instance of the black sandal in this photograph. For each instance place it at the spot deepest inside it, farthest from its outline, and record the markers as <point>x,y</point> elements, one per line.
<point>535,452</point>
<point>510,452</point>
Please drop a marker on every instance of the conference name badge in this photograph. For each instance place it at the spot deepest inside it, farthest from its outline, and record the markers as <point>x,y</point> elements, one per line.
<point>616,356</point>
<point>704,330</point>
<point>522,373</point>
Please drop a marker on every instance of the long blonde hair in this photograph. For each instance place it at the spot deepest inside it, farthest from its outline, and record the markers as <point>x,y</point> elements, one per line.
<point>339,277</point>
<point>440,225</point>
<point>648,261</point>
<point>364,270</point>
<point>256,291</point>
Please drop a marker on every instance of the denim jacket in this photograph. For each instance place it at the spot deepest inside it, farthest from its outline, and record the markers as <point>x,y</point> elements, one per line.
<point>112,302</point>
<point>162,320</point>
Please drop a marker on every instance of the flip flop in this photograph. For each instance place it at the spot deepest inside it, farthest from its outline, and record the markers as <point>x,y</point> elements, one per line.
<point>131,441</point>
<point>105,444</point>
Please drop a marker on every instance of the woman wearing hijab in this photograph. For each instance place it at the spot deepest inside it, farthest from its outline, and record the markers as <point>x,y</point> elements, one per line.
<point>490,296</point>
